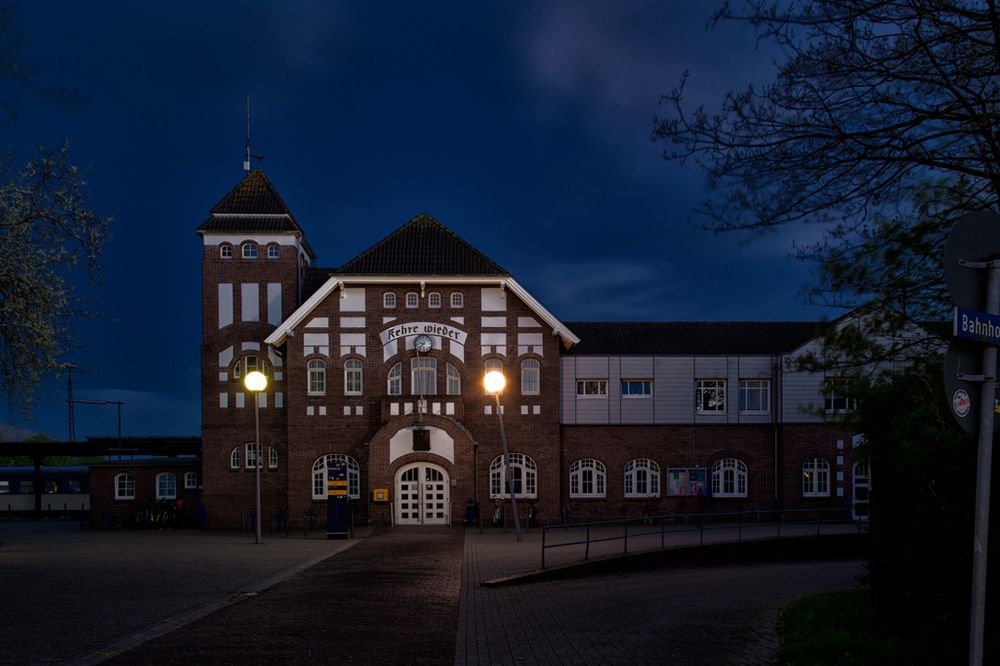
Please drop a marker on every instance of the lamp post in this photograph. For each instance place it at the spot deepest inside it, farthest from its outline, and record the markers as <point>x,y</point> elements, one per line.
<point>494,381</point>
<point>255,382</point>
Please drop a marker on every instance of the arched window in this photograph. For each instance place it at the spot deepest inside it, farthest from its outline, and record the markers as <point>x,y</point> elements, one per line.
<point>816,478</point>
<point>252,454</point>
<point>395,380</point>
<point>226,251</point>
<point>353,376</point>
<point>586,478</point>
<point>530,377</point>
<point>642,478</point>
<point>389,299</point>
<point>124,486</point>
<point>166,485</point>
<point>237,372</point>
<point>524,477</point>
<point>457,299</point>
<point>423,376</point>
<point>412,299</point>
<point>234,458</point>
<point>250,250</point>
<point>434,300</point>
<point>272,458</point>
<point>319,476</point>
<point>190,480</point>
<point>729,478</point>
<point>317,377</point>
<point>454,380</point>
<point>273,251</point>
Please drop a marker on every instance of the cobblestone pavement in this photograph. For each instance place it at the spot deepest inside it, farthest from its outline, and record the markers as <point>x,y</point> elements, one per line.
<point>691,615</point>
<point>408,595</point>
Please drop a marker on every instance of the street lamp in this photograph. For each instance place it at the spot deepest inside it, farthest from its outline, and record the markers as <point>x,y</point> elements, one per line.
<point>255,382</point>
<point>494,381</point>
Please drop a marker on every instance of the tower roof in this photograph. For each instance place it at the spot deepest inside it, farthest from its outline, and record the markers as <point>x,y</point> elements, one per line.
<point>252,206</point>
<point>422,246</point>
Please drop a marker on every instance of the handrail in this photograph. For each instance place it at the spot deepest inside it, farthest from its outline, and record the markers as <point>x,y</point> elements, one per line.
<point>675,523</point>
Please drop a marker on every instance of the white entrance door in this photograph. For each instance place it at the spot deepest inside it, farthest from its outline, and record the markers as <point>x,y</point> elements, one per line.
<point>422,495</point>
<point>859,507</point>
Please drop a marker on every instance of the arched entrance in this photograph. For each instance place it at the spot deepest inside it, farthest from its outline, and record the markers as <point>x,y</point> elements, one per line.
<point>422,495</point>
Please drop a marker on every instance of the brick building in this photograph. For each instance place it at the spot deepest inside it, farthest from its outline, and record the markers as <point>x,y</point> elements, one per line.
<point>379,363</point>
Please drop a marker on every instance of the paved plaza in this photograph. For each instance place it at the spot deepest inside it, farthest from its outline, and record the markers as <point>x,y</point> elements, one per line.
<point>409,595</point>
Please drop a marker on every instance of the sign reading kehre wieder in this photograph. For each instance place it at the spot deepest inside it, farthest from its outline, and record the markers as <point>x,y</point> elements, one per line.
<point>400,331</point>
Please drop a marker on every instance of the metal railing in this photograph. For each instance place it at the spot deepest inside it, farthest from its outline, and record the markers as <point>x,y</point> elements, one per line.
<point>746,525</point>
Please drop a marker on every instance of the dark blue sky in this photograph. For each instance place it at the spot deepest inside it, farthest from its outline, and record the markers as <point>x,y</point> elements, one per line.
<point>522,126</point>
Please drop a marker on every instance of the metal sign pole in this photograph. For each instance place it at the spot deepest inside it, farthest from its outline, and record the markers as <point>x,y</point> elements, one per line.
<point>984,468</point>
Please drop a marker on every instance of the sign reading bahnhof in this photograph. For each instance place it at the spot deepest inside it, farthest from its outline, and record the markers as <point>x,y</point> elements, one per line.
<point>975,325</point>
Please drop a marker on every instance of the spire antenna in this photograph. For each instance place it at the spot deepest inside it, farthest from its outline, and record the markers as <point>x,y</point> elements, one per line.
<point>246,160</point>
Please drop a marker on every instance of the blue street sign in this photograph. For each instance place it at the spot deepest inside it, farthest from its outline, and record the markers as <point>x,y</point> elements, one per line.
<point>978,326</point>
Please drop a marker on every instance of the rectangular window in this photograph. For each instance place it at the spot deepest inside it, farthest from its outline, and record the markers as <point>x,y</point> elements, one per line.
<point>637,388</point>
<point>838,395</point>
<point>4,487</point>
<point>424,376</point>
<point>687,482</point>
<point>592,388</point>
<point>755,395</point>
<point>710,396</point>
<point>27,487</point>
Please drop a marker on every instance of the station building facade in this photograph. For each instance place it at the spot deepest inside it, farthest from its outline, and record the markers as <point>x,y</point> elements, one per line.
<point>379,363</point>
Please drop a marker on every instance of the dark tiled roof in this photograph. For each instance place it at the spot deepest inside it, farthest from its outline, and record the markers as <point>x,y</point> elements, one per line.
<point>422,246</point>
<point>313,279</point>
<point>700,338</point>
<point>253,205</point>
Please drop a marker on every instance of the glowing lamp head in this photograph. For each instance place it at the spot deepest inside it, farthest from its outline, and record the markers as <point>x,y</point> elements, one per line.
<point>255,381</point>
<point>494,381</point>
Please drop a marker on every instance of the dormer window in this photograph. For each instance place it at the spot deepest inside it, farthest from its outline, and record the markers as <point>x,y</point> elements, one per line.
<point>433,300</point>
<point>412,300</point>
<point>226,251</point>
<point>250,250</point>
<point>273,251</point>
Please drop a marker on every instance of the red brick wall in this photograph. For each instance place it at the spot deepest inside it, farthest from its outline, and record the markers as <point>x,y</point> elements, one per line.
<point>102,490</point>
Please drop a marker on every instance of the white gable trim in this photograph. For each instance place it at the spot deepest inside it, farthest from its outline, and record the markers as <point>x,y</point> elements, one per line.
<point>338,282</point>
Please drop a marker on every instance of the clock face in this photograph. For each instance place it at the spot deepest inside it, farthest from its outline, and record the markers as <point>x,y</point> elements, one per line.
<point>423,343</point>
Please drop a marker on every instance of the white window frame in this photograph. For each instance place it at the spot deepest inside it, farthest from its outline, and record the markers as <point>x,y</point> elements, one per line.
<point>249,250</point>
<point>165,481</point>
<point>489,365</point>
<point>454,378</point>
<point>587,479</point>
<point>354,377</point>
<point>592,388</point>
<point>394,380</point>
<point>629,386</point>
<point>703,389</point>
<point>273,251</point>
<point>729,478</point>
<point>748,387</point>
<point>531,376</point>
<point>434,299</point>
<point>837,397</point>
<point>319,476</point>
<point>316,377</point>
<point>389,300</point>
<point>235,458</point>
<point>523,470</point>
<point>642,472</point>
<point>125,486</point>
<point>226,251</point>
<point>251,454</point>
<point>272,458</point>
<point>425,367</point>
<point>816,478</point>
<point>412,299</point>
<point>190,480</point>
<point>457,299</point>
<point>251,367</point>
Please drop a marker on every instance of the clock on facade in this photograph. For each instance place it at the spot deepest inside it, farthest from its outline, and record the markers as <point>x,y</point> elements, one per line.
<point>423,343</point>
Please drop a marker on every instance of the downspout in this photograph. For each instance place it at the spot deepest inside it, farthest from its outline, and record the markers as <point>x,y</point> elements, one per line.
<point>776,378</point>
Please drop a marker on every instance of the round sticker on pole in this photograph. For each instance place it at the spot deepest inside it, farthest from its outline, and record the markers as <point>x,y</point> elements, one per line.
<point>961,403</point>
